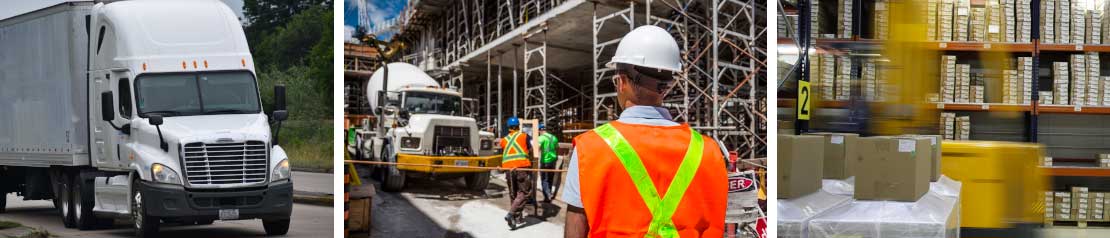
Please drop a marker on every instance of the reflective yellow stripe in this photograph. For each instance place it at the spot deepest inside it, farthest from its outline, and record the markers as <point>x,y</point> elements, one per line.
<point>661,209</point>
<point>520,155</point>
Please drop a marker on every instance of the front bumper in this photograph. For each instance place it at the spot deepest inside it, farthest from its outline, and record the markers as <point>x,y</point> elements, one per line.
<point>274,201</point>
<point>473,161</point>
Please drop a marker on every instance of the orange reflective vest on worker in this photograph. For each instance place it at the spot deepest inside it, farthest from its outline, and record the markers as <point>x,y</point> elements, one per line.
<point>651,181</point>
<point>514,151</point>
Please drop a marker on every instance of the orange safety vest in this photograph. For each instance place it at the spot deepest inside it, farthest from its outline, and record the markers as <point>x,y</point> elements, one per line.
<point>625,182</point>
<point>514,153</point>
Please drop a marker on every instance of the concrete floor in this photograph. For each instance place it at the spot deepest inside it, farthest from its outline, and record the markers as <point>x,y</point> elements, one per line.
<point>1073,232</point>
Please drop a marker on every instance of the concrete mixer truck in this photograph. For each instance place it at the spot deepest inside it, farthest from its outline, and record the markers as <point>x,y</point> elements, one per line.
<point>420,123</point>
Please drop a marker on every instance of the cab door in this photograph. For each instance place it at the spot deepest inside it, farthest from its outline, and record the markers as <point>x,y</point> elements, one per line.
<point>112,137</point>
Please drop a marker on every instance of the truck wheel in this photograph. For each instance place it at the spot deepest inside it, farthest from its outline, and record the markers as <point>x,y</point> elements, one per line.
<point>477,181</point>
<point>145,225</point>
<point>394,180</point>
<point>276,227</point>
<point>3,203</point>
<point>66,201</point>
<point>83,204</point>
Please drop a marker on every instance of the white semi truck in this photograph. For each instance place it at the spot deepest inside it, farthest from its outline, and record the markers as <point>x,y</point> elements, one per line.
<point>141,110</point>
<point>421,123</point>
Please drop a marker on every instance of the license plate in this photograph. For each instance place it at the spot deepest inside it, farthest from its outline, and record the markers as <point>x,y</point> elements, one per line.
<point>229,214</point>
<point>462,163</point>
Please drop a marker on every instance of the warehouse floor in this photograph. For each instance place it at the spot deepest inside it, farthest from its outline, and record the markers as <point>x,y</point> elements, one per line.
<point>1072,232</point>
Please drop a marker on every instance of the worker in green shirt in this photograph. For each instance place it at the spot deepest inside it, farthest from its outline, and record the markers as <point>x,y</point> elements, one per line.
<point>548,156</point>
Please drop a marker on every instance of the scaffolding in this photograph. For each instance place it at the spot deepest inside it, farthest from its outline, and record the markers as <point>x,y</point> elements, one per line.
<point>537,51</point>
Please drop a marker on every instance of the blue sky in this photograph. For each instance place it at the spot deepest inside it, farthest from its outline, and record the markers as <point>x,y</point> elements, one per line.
<point>377,12</point>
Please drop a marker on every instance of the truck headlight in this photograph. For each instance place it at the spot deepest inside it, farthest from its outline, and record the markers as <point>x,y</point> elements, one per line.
<point>410,142</point>
<point>164,174</point>
<point>281,172</point>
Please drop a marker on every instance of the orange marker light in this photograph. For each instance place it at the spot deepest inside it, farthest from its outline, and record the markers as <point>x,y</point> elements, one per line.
<point>243,61</point>
<point>206,64</point>
<point>194,64</point>
<point>182,64</point>
<point>144,66</point>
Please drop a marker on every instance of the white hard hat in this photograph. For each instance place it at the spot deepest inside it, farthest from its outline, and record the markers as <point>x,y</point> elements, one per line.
<point>648,46</point>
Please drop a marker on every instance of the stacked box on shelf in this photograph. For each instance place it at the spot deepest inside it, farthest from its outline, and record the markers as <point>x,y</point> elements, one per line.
<point>1024,24</point>
<point>844,11</point>
<point>1060,83</point>
<point>1049,205</point>
<point>843,78</point>
<point>828,76</point>
<point>948,125</point>
<point>1008,26</point>
<point>977,94</point>
<point>1048,21</point>
<point>945,18</point>
<point>1098,207</point>
<point>1063,206</point>
<point>963,15</point>
<point>1009,88</point>
<point>1091,81</point>
<point>1078,17</point>
<point>963,77</point>
<point>931,19</point>
<point>1063,21</point>
<point>1078,88</point>
<point>963,128</point>
<point>1079,198</point>
<point>882,21</point>
<point>814,22</point>
<point>994,21</point>
<point>1025,73</point>
<point>1104,160</point>
<point>869,80</point>
<point>1017,89</point>
<point>1094,27</point>
<point>948,78</point>
<point>1045,98</point>
<point>978,24</point>
<point>1105,90</point>
<point>1047,161</point>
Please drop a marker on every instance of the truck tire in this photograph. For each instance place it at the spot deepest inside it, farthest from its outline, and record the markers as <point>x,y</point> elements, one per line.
<point>394,179</point>
<point>66,201</point>
<point>3,203</point>
<point>276,227</point>
<point>144,224</point>
<point>83,204</point>
<point>477,181</point>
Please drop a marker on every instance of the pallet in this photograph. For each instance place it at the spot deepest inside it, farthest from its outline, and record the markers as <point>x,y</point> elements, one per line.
<point>1074,223</point>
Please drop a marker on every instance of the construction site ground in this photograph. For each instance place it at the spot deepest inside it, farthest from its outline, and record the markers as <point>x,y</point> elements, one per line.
<point>445,208</point>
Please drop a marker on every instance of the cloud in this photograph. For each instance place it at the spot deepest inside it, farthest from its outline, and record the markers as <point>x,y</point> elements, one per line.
<point>349,34</point>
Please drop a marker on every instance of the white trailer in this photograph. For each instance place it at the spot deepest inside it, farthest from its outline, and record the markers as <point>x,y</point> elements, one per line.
<point>141,110</point>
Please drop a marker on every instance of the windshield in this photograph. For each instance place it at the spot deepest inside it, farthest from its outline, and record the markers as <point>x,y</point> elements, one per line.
<point>433,103</point>
<point>197,94</point>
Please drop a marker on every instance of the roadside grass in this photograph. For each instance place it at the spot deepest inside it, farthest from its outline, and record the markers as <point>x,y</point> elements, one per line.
<point>8,224</point>
<point>308,144</point>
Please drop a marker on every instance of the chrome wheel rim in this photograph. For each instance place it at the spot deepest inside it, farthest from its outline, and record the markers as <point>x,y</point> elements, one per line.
<point>136,210</point>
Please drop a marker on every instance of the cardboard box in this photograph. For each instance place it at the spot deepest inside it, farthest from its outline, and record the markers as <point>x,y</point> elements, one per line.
<point>934,154</point>
<point>840,154</point>
<point>800,166</point>
<point>892,168</point>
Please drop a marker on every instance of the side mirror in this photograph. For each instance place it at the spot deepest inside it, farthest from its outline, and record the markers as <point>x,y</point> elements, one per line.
<point>107,113</point>
<point>155,120</point>
<point>281,115</point>
<point>279,97</point>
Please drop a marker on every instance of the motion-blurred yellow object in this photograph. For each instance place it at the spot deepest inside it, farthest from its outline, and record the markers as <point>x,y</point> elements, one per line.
<point>1001,182</point>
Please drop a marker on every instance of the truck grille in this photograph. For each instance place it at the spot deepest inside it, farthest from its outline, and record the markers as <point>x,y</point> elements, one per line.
<point>450,140</point>
<point>223,164</point>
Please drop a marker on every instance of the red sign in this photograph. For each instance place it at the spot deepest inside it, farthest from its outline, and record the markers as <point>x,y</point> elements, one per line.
<point>761,227</point>
<point>740,184</point>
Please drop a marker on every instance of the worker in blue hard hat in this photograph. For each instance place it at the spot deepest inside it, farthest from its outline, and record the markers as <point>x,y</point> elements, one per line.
<point>548,157</point>
<point>515,148</point>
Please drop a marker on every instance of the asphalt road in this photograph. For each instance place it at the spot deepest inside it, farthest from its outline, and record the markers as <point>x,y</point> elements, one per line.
<point>444,208</point>
<point>308,221</point>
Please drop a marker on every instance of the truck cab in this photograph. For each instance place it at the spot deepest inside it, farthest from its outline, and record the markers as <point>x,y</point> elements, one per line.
<point>174,127</point>
<point>422,123</point>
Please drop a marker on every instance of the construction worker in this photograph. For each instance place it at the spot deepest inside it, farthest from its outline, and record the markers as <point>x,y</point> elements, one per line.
<point>515,148</point>
<point>548,155</point>
<point>645,175</point>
